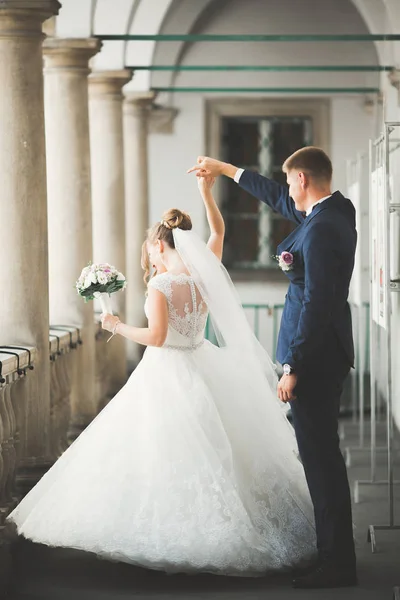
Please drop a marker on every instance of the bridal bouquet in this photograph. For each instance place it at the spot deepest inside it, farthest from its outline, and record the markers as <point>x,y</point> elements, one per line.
<point>100,281</point>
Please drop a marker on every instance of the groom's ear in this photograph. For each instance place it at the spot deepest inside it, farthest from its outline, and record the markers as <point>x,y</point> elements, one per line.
<point>304,179</point>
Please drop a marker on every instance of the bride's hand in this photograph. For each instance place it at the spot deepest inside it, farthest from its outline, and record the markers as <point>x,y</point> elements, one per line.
<point>205,183</point>
<point>108,321</point>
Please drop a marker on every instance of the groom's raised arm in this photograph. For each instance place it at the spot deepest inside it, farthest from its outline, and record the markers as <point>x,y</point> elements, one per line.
<point>268,191</point>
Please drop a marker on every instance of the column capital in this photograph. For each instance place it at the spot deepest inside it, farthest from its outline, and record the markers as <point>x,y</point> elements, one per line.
<point>394,78</point>
<point>371,102</point>
<point>70,54</point>
<point>108,83</point>
<point>23,19</point>
<point>138,101</point>
<point>162,119</point>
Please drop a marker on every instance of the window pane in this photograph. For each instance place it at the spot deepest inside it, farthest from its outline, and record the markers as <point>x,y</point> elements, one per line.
<point>288,135</point>
<point>237,200</point>
<point>240,141</point>
<point>241,241</point>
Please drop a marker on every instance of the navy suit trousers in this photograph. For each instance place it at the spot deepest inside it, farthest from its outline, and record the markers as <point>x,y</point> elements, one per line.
<point>315,418</point>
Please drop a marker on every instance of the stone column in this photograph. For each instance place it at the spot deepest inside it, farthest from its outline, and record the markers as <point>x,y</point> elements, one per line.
<point>108,195</point>
<point>69,200</point>
<point>24,305</point>
<point>136,121</point>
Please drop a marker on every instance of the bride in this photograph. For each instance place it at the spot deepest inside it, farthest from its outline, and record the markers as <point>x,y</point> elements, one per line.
<point>193,465</point>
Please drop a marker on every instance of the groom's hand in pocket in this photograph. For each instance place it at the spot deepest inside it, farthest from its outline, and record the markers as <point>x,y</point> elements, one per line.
<point>286,386</point>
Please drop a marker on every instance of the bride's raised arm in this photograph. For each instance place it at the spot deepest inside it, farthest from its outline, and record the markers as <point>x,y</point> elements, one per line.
<point>214,217</point>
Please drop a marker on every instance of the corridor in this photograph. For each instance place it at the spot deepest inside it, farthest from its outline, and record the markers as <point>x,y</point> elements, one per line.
<point>104,105</point>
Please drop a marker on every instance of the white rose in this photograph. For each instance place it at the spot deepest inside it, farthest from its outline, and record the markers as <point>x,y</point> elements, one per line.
<point>120,277</point>
<point>284,266</point>
<point>102,278</point>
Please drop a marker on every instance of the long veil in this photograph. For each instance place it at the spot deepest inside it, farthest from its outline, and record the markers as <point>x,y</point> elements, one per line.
<point>227,315</point>
<point>232,329</point>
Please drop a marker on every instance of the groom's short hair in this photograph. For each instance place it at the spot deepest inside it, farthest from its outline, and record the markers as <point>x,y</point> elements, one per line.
<point>312,160</point>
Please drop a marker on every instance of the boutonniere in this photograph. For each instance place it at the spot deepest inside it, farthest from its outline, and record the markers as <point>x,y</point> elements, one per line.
<point>285,261</point>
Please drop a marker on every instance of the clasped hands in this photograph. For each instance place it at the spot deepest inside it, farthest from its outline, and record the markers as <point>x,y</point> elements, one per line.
<point>208,167</point>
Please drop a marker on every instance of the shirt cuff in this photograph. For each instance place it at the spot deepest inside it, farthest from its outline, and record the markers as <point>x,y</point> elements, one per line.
<point>238,175</point>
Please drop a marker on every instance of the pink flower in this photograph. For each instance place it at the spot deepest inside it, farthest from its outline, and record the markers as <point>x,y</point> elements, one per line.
<point>287,258</point>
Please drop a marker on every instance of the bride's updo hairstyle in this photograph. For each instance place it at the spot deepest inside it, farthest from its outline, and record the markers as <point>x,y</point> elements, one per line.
<point>163,230</point>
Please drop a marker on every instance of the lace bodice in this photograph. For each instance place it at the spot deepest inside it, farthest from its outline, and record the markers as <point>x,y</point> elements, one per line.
<point>187,311</point>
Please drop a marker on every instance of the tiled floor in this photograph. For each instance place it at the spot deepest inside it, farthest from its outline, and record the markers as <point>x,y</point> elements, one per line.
<point>56,574</point>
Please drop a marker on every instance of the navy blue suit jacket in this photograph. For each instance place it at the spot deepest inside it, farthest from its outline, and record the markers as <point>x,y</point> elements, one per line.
<point>316,310</point>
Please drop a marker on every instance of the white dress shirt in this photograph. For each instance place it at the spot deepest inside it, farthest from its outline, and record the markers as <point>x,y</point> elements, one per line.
<point>238,175</point>
<point>309,209</point>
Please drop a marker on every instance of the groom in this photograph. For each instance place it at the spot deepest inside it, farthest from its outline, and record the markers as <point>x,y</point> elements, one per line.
<point>315,344</point>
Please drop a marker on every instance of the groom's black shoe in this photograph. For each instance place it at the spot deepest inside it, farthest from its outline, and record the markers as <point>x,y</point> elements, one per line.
<point>305,570</point>
<point>327,575</point>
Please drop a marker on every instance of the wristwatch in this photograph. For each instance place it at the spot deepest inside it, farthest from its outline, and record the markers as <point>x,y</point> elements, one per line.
<point>287,369</point>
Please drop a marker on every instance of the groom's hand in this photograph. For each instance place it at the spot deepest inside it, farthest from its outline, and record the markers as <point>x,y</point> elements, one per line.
<point>286,387</point>
<point>210,167</point>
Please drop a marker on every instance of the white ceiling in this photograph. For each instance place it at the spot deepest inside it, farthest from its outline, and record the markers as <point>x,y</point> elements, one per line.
<point>82,18</point>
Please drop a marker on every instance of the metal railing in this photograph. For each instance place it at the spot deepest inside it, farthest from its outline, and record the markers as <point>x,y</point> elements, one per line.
<point>273,312</point>
<point>206,37</point>
<point>270,90</point>
<point>268,68</point>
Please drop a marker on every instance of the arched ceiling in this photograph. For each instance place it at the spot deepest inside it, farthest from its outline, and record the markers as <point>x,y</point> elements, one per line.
<point>82,18</point>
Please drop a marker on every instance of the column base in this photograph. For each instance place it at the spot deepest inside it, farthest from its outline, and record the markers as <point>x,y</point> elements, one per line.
<point>132,364</point>
<point>104,401</point>
<point>6,509</point>
<point>116,387</point>
<point>77,425</point>
<point>29,472</point>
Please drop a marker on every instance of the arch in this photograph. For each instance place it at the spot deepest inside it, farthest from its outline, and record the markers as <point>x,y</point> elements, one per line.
<point>375,15</point>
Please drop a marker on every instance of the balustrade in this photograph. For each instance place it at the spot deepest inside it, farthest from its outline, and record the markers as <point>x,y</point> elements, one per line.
<point>63,340</point>
<point>15,365</point>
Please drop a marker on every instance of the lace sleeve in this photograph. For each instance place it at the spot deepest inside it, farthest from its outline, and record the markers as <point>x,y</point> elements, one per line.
<point>162,284</point>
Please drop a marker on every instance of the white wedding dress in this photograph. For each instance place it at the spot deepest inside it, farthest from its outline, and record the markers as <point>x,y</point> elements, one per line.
<point>191,467</point>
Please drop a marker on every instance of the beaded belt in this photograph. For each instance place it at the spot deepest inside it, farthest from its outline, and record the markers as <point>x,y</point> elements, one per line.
<point>184,348</point>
